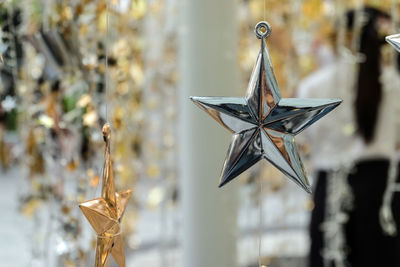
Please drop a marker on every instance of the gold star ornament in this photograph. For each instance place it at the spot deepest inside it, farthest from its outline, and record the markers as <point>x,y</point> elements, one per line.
<point>105,213</point>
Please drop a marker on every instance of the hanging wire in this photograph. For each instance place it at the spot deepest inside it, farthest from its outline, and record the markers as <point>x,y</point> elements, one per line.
<point>264,9</point>
<point>260,227</point>
<point>106,59</point>
<point>106,81</point>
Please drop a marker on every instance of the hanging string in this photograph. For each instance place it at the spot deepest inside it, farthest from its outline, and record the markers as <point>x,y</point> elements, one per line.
<point>106,58</point>
<point>260,227</point>
<point>264,9</point>
<point>106,85</point>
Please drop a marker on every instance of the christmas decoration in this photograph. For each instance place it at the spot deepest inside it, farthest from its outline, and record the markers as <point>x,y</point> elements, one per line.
<point>264,124</point>
<point>105,213</point>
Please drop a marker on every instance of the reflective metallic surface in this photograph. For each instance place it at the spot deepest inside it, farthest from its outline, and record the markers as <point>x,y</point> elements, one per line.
<point>262,30</point>
<point>105,213</point>
<point>394,40</point>
<point>264,124</point>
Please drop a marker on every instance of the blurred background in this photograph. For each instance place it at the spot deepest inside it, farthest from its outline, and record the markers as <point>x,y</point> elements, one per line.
<point>67,67</point>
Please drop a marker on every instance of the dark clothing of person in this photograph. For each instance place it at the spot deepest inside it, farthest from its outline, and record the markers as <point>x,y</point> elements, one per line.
<point>368,245</point>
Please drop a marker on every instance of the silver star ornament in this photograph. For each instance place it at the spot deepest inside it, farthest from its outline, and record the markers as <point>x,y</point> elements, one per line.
<point>263,123</point>
<point>394,40</point>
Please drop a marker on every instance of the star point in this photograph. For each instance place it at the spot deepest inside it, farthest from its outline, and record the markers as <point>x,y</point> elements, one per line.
<point>394,40</point>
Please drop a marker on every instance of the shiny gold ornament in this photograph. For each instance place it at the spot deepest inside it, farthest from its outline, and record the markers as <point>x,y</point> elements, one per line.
<point>105,213</point>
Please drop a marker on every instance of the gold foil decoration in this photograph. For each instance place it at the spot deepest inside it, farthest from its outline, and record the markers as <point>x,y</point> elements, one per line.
<point>90,118</point>
<point>30,208</point>
<point>153,171</point>
<point>105,213</point>
<point>46,121</point>
<point>84,101</point>
<point>72,165</point>
<point>138,9</point>
<point>4,151</point>
<point>35,157</point>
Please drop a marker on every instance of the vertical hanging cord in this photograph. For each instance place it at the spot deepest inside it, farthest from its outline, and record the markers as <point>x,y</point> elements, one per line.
<point>106,58</point>
<point>264,9</point>
<point>260,227</point>
<point>106,44</point>
<point>105,87</point>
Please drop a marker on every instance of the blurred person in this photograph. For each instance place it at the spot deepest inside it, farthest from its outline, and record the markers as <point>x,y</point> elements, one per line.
<point>360,139</point>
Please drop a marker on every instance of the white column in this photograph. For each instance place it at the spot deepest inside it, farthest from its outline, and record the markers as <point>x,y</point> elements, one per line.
<point>208,67</point>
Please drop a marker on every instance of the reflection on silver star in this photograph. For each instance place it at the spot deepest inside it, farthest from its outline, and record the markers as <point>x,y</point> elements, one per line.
<point>394,40</point>
<point>264,124</point>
